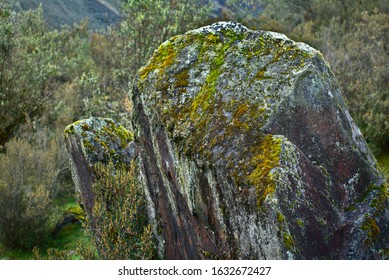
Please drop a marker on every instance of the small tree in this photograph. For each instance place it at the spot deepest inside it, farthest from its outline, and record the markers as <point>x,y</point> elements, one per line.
<point>33,63</point>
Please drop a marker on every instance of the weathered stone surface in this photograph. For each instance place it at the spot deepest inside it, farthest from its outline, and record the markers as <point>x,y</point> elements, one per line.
<point>96,140</point>
<point>245,150</point>
<point>248,151</point>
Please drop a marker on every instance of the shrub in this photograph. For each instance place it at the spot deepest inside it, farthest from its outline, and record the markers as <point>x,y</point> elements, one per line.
<point>27,175</point>
<point>119,228</point>
<point>359,58</point>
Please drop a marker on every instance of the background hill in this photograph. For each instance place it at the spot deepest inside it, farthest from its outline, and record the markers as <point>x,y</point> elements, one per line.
<point>100,13</point>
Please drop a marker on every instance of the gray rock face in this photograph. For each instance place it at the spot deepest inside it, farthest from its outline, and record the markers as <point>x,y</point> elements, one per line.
<point>248,151</point>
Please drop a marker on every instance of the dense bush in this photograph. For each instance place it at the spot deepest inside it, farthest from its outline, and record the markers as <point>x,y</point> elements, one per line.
<point>33,63</point>
<point>360,61</point>
<point>120,228</point>
<point>27,178</point>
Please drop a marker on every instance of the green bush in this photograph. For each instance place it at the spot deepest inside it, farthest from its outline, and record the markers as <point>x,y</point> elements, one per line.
<point>34,62</point>
<point>27,177</point>
<point>359,58</point>
<point>120,229</point>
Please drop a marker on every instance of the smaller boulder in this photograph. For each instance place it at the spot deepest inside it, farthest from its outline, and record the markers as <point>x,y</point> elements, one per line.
<point>92,141</point>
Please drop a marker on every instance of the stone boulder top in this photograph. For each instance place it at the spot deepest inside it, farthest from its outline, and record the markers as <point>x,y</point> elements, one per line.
<point>103,140</point>
<point>223,90</point>
<point>265,116</point>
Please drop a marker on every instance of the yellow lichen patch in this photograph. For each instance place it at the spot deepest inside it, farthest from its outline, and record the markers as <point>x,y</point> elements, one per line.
<point>212,39</point>
<point>243,114</point>
<point>202,100</point>
<point>370,225</point>
<point>162,58</point>
<point>288,241</point>
<point>280,217</point>
<point>267,157</point>
<point>261,74</point>
<point>300,223</point>
<point>242,109</point>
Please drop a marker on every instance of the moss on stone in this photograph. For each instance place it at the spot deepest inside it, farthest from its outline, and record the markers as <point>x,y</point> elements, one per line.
<point>69,129</point>
<point>103,139</point>
<point>85,126</point>
<point>205,111</point>
<point>204,121</point>
<point>280,217</point>
<point>267,157</point>
<point>373,231</point>
<point>379,201</point>
<point>300,223</point>
<point>162,58</point>
<point>350,208</point>
<point>288,241</point>
<point>89,147</point>
<point>379,196</point>
<point>182,79</point>
<point>261,75</point>
<point>124,135</point>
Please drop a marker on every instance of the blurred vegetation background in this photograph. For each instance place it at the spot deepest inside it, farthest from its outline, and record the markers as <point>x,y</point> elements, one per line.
<point>60,62</point>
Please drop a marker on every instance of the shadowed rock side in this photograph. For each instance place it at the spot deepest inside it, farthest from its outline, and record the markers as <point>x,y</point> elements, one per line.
<point>248,152</point>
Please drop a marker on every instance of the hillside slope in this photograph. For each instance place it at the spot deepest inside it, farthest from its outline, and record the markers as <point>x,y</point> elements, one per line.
<point>100,13</point>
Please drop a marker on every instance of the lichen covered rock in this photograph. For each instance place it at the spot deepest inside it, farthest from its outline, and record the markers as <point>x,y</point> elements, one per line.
<point>96,140</point>
<point>248,151</point>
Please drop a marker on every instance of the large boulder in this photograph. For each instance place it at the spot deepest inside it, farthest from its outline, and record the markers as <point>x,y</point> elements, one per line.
<point>249,152</point>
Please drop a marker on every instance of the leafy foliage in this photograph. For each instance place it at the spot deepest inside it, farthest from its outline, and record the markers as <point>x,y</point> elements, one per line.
<point>120,227</point>
<point>27,178</point>
<point>26,66</point>
<point>149,23</point>
<point>33,63</point>
<point>360,61</point>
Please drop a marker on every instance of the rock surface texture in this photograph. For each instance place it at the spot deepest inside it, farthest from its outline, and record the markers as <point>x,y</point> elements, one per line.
<point>247,151</point>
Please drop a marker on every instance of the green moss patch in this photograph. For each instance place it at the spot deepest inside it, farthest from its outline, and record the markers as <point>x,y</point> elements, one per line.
<point>162,58</point>
<point>288,241</point>
<point>267,157</point>
<point>373,231</point>
<point>103,139</point>
<point>77,212</point>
